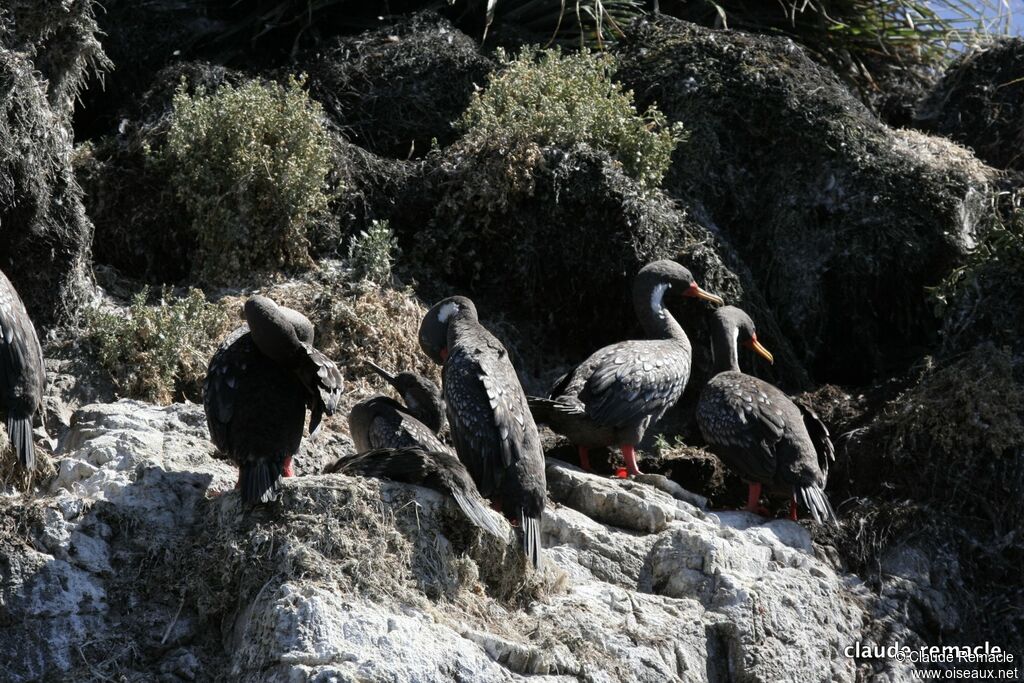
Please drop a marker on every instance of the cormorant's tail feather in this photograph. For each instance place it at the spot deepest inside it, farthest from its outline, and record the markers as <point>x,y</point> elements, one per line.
<point>541,408</point>
<point>19,429</point>
<point>414,465</point>
<point>556,414</point>
<point>260,481</point>
<point>531,537</point>
<point>477,513</point>
<point>814,499</point>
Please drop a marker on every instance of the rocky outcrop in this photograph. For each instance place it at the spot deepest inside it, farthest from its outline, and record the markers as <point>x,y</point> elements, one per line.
<point>46,49</point>
<point>140,560</point>
<point>979,102</point>
<point>843,221</point>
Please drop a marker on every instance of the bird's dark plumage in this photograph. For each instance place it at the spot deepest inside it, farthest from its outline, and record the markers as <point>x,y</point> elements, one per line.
<point>286,336</point>
<point>440,470</point>
<point>612,397</point>
<point>257,389</point>
<point>400,442</point>
<point>494,433</point>
<point>22,375</point>
<point>756,429</point>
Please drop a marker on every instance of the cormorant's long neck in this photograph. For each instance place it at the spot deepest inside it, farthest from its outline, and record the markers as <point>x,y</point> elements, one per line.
<point>657,322</point>
<point>426,408</point>
<point>724,347</point>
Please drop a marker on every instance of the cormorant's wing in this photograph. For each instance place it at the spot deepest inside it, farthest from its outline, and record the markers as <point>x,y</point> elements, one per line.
<point>634,379</point>
<point>221,388</point>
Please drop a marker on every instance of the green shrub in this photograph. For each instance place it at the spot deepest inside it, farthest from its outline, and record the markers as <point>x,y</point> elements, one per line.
<point>158,353</point>
<point>371,253</point>
<point>547,98</point>
<point>250,164</point>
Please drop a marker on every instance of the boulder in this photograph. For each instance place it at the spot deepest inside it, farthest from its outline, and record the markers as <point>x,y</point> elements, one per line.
<point>979,103</point>
<point>842,221</point>
<point>46,49</point>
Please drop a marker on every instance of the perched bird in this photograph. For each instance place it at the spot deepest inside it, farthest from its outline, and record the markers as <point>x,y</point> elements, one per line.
<point>438,470</point>
<point>286,336</point>
<point>758,431</point>
<point>400,442</point>
<point>258,386</point>
<point>22,376</point>
<point>383,422</point>
<point>494,434</point>
<point>616,394</point>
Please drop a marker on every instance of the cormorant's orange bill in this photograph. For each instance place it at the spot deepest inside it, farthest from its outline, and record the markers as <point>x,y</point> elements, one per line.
<point>752,343</point>
<point>698,293</point>
<point>444,354</point>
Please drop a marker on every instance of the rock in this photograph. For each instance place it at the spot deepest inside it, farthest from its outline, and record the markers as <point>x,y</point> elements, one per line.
<point>979,102</point>
<point>467,221</point>
<point>398,90</point>
<point>145,564</point>
<point>44,233</point>
<point>832,211</point>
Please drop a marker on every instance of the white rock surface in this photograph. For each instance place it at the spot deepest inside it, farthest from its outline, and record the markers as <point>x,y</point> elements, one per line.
<point>139,562</point>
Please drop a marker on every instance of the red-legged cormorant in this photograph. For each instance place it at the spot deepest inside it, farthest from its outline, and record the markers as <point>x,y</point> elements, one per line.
<point>612,397</point>
<point>258,386</point>
<point>491,425</point>
<point>763,435</point>
<point>22,376</point>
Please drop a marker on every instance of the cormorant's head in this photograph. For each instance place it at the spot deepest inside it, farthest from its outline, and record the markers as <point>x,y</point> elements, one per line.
<point>260,309</point>
<point>420,395</point>
<point>659,278</point>
<point>434,328</point>
<point>736,326</point>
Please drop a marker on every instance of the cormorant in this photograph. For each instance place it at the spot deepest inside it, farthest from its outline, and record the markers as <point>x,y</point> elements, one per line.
<point>612,397</point>
<point>491,425</point>
<point>22,375</point>
<point>258,386</point>
<point>758,431</point>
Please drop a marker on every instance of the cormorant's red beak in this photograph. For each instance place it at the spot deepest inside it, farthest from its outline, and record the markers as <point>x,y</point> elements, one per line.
<point>756,347</point>
<point>444,354</point>
<point>697,293</point>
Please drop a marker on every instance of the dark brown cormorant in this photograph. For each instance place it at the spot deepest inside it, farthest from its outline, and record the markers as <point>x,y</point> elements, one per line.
<point>400,442</point>
<point>383,422</point>
<point>22,375</point>
<point>758,431</point>
<point>612,397</point>
<point>494,433</point>
<point>258,386</point>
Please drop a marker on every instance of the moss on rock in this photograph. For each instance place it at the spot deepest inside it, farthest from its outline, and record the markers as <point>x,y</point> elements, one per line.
<point>980,103</point>
<point>396,90</point>
<point>842,221</point>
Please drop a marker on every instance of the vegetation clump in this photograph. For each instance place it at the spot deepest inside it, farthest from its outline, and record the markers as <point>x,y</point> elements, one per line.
<point>371,253</point>
<point>158,353</point>
<point>546,97</point>
<point>250,165</point>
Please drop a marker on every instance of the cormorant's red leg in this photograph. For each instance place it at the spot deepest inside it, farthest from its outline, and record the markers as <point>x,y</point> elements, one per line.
<point>792,509</point>
<point>629,455</point>
<point>585,458</point>
<point>753,498</point>
<point>287,469</point>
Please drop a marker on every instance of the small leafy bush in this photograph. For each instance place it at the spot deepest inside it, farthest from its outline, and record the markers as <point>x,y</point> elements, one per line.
<point>371,253</point>
<point>250,164</point>
<point>158,353</point>
<point>549,98</point>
